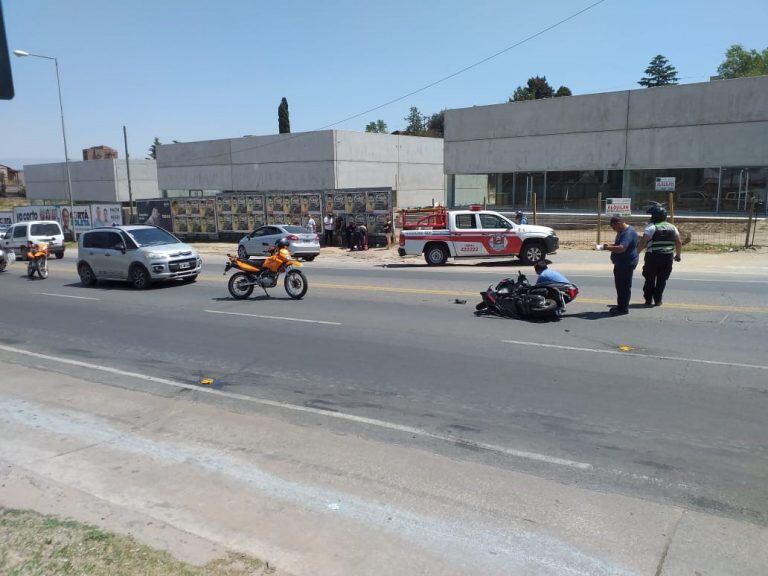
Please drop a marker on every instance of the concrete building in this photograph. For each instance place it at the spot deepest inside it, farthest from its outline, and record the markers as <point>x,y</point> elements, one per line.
<point>322,160</point>
<point>706,142</point>
<point>99,153</point>
<point>11,181</point>
<point>92,181</point>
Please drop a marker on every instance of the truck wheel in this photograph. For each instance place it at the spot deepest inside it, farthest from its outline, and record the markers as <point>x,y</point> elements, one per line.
<point>436,254</point>
<point>532,252</point>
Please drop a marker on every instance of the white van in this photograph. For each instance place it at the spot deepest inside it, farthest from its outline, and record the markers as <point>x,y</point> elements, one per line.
<point>20,234</point>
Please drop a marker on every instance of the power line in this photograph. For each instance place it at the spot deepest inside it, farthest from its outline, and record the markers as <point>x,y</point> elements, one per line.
<point>440,80</point>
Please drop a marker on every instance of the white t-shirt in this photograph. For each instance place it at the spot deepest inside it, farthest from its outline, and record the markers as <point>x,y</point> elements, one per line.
<point>328,222</point>
<point>311,224</point>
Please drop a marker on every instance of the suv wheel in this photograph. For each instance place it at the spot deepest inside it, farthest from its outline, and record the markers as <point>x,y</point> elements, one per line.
<point>139,277</point>
<point>87,277</point>
<point>533,252</point>
<point>59,255</point>
<point>242,252</point>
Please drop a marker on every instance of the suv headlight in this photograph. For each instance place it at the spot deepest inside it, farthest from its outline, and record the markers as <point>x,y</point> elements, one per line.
<point>156,256</point>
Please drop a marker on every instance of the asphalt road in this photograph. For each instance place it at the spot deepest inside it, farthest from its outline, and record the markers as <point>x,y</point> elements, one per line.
<point>666,403</point>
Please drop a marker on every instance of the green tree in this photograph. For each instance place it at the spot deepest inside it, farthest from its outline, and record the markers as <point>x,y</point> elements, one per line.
<point>563,91</point>
<point>283,120</point>
<point>436,124</point>
<point>378,126</point>
<point>537,88</point>
<point>153,149</point>
<point>659,73</point>
<point>739,62</point>
<point>416,123</point>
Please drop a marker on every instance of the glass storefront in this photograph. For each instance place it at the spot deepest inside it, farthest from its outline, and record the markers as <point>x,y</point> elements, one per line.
<point>726,190</point>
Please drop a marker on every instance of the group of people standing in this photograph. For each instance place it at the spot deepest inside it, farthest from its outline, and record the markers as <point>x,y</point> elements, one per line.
<point>345,234</point>
<point>662,245</point>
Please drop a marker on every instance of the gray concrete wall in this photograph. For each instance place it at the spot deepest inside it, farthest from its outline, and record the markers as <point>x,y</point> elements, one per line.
<point>308,161</point>
<point>300,161</point>
<point>93,180</point>
<point>708,124</point>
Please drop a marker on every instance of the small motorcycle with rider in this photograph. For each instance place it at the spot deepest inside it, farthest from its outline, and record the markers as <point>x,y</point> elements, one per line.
<point>265,273</point>
<point>37,256</point>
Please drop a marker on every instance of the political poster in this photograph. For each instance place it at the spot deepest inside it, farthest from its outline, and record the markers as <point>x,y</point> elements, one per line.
<point>29,213</point>
<point>82,218</point>
<point>6,218</point>
<point>193,216</point>
<point>106,215</point>
<point>155,213</point>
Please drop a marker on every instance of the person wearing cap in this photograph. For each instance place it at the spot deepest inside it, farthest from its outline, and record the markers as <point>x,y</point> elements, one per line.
<point>625,257</point>
<point>662,244</point>
<point>520,218</point>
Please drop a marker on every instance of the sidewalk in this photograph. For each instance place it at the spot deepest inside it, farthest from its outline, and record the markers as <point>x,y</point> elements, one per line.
<point>312,498</point>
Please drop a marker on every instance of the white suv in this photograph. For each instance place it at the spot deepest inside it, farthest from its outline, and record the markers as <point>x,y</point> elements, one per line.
<point>138,254</point>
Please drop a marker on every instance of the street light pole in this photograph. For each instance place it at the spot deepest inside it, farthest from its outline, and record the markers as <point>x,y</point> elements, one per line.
<point>21,54</point>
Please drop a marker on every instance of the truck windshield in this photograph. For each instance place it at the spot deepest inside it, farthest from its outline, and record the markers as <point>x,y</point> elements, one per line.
<point>152,237</point>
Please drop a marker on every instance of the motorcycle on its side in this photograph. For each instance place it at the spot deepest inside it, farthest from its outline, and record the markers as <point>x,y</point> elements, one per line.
<point>7,257</point>
<point>519,299</point>
<point>37,255</point>
<point>265,273</point>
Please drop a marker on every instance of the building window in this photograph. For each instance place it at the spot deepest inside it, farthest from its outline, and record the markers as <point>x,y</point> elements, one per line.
<point>693,189</point>
<point>578,190</point>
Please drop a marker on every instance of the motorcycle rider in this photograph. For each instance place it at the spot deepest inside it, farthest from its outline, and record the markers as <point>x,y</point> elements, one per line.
<point>520,218</point>
<point>662,243</point>
<point>547,275</point>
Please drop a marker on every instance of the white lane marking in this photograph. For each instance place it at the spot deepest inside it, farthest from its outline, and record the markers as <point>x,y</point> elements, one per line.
<point>637,355</point>
<point>317,411</point>
<point>67,296</point>
<point>286,318</point>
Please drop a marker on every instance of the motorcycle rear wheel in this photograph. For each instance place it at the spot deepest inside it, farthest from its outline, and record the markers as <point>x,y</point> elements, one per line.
<point>240,286</point>
<point>548,309</point>
<point>42,269</point>
<point>296,284</point>
<point>31,269</point>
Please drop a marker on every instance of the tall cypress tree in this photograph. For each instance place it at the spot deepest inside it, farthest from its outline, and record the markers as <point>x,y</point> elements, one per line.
<point>283,121</point>
<point>659,73</point>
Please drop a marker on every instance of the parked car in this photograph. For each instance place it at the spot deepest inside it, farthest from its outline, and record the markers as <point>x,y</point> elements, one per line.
<point>19,235</point>
<point>139,254</point>
<point>302,243</point>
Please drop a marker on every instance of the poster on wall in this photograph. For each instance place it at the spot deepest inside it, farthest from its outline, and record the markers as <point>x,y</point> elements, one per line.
<point>194,216</point>
<point>369,208</point>
<point>240,212</point>
<point>6,218</point>
<point>155,213</point>
<point>81,218</point>
<point>106,215</point>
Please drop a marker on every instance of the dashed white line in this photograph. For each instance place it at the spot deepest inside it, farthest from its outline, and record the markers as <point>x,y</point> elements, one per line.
<point>67,296</point>
<point>637,355</point>
<point>286,318</point>
<point>523,454</point>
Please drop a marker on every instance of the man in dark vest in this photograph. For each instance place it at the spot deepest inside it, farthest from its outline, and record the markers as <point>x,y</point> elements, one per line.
<point>661,240</point>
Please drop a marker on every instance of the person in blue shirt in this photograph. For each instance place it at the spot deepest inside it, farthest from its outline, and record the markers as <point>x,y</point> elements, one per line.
<point>624,257</point>
<point>547,275</point>
<point>520,218</point>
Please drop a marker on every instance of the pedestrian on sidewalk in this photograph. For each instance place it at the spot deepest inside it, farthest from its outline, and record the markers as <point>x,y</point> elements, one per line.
<point>662,244</point>
<point>328,223</point>
<point>311,224</point>
<point>625,258</point>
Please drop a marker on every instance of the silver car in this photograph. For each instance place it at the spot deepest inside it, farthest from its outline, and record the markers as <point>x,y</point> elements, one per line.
<point>303,243</point>
<point>139,254</point>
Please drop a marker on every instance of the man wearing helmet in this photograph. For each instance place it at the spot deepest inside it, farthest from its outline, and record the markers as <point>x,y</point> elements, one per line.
<point>661,240</point>
<point>520,218</point>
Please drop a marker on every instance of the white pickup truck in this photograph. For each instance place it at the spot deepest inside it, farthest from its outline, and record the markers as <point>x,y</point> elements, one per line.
<point>443,234</point>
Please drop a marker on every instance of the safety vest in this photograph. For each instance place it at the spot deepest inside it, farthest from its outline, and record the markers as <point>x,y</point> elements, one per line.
<point>663,240</point>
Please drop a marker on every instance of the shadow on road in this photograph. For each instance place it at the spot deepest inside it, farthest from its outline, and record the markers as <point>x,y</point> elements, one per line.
<point>489,264</point>
<point>107,285</point>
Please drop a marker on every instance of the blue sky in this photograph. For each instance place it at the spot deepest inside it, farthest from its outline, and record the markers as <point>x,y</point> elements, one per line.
<point>193,70</point>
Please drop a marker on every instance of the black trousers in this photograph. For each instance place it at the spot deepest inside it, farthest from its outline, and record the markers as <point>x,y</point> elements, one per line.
<point>328,240</point>
<point>656,271</point>
<point>622,277</point>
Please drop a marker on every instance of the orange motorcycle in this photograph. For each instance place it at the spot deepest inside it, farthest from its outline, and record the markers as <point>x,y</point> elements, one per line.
<point>37,254</point>
<point>265,273</point>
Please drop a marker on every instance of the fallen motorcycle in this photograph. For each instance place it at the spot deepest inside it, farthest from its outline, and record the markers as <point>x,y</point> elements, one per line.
<point>519,299</point>
<point>265,273</point>
<point>37,254</point>
<point>7,257</point>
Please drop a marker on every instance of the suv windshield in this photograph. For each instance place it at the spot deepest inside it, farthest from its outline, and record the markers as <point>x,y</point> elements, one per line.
<point>45,230</point>
<point>152,236</point>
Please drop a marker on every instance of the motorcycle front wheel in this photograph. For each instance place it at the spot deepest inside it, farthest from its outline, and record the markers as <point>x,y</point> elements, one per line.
<point>549,308</point>
<point>42,268</point>
<point>31,269</point>
<point>296,284</point>
<point>240,286</point>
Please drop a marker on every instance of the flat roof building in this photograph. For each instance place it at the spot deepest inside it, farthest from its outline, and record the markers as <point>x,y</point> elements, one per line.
<point>92,181</point>
<point>322,160</point>
<point>707,143</point>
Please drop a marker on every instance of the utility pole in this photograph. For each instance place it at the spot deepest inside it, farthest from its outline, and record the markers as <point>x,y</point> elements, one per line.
<point>128,169</point>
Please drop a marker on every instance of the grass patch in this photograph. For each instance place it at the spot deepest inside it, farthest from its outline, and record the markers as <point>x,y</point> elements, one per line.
<point>33,544</point>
